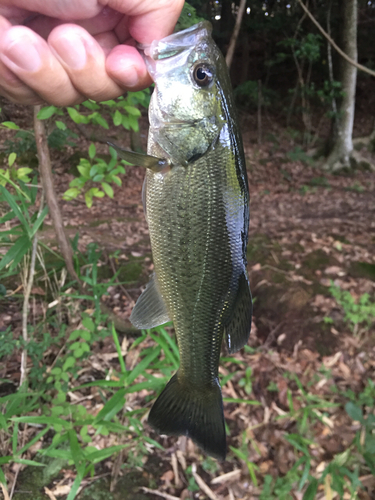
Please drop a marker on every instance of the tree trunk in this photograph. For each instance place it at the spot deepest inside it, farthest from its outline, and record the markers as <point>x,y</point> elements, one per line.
<point>340,155</point>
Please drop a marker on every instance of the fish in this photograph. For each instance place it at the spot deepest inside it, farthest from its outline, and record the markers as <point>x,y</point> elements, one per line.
<point>196,201</point>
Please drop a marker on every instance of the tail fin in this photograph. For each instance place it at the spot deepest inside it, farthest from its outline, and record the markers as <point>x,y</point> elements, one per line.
<point>194,412</point>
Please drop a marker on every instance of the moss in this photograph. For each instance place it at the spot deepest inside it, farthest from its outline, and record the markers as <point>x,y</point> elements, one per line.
<point>316,260</point>
<point>127,488</point>
<point>362,270</point>
<point>32,480</point>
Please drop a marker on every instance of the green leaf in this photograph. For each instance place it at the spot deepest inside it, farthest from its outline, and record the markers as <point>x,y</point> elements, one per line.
<point>75,345</point>
<point>311,491</point>
<point>23,172</point>
<point>91,105</point>
<point>88,198</point>
<point>84,170</point>
<point>92,151</point>
<point>97,456</point>
<point>77,483</point>
<point>143,365</point>
<point>117,118</point>
<point>56,371</point>
<point>60,125</point>
<point>34,440</point>
<point>101,121</point>
<point>167,351</point>
<point>53,421</point>
<point>125,122</point>
<point>14,206</point>
<point>28,462</point>
<point>354,411</point>
<point>3,478</point>
<point>77,453</point>
<point>11,159</point>
<point>133,111</point>
<point>39,221</point>
<point>85,335</point>
<point>6,460</point>
<point>16,252</point>
<point>116,180</point>
<point>133,122</point>
<point>10,125</point>
<point>107,189</point>
<point>69,362</point>
<point>113,406</point>
<point>74,115</point>
<point>98,178</point>
<point>46,112</point>
<point>88,323</point>
<point>71,193</point>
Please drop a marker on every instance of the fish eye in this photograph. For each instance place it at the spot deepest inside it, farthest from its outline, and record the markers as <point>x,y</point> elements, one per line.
<point>202,74</point>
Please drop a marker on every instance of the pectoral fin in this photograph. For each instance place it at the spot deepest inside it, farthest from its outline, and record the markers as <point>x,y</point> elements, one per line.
<point>151,162</point>
<point>237,330</point>
<point>150,310</point>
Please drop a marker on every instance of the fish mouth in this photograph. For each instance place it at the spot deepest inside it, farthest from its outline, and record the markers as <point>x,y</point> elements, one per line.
<point>176,43</point>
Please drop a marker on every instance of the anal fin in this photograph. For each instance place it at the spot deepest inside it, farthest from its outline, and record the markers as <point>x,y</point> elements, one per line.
<point>237,329</point>
<point>150,310</point>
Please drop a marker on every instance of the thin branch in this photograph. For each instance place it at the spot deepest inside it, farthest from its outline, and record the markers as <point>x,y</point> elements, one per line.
<point>237,26</point>
<point>333,43</point>
<point>49,189</point>
<point>57,220</point>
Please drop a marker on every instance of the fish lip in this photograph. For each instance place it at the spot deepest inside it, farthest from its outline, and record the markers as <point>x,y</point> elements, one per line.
<point>174,44</point>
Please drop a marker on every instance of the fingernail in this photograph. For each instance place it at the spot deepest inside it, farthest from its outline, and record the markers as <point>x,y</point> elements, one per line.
<point>71,49</point>
<point>22,53</point>
<point>130,76</point>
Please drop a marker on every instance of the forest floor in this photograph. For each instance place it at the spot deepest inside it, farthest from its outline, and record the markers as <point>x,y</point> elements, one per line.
<point>308,356</point>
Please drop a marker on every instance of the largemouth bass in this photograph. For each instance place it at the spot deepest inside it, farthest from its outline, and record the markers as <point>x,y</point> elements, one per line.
<point>197,206</point>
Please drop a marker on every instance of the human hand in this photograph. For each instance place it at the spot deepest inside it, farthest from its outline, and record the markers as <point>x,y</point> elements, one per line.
<point>64,52</point>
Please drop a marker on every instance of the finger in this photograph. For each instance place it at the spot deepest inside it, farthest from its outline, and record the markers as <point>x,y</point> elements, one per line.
<point>61,9</point>
<point>106,20</point>
<point>12,87</point>
<point>13,14</point>
<point>84,61</point>
<point>126,66</point>
<point>15,90</point>
<point>28,57</point>
<point>149,20</point>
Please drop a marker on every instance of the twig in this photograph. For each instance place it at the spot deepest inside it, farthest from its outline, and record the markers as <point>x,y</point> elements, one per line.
<point>233,475</point>
<point>159,494</point>
<point>330,65</point>
<point>259,115</point>
<point>271,336</point>
<point>203,486</point>
<point>237,26</point>
<point>174,460</point>
<point>5,492</point>
<point>333,43</point>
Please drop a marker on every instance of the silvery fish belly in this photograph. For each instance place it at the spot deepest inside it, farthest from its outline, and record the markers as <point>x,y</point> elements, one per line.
<point>197,208</point>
